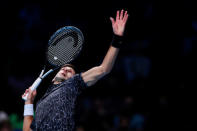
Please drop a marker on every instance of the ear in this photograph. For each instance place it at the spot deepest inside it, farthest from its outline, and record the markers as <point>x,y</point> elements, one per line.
<point>74,72</point>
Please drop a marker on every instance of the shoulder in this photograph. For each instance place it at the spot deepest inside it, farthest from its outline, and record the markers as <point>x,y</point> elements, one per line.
<point>76,80</point>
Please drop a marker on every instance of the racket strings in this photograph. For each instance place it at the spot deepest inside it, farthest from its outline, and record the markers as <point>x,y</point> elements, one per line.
<point>65,46</point>
<point>65,50</point>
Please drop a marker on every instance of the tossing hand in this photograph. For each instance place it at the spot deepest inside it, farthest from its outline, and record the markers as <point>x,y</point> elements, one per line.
<point>118,25</point>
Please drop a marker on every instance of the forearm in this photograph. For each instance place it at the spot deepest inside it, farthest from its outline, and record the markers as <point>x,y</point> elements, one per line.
<point>109,59</point>
<point>28,115</point>
<point>27,122</point>
<point>91,76</point>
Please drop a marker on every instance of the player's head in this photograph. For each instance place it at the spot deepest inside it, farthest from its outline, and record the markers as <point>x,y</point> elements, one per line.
<point>66,72</point>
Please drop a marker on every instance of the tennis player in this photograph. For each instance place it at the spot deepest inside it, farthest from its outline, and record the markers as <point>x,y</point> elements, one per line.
<point>55,110</point>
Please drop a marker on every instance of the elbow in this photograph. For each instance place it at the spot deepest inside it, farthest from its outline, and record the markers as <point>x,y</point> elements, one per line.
<point>104,70</point>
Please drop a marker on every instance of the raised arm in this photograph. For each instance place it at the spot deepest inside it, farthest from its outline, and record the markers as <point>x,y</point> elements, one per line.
<point>94,74</point>
<point>28,109</point>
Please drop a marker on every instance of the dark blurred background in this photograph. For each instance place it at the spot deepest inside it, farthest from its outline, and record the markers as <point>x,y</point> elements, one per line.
<point>150,86</point>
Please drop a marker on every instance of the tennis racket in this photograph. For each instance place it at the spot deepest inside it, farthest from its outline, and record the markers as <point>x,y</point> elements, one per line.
<point>63,47</point>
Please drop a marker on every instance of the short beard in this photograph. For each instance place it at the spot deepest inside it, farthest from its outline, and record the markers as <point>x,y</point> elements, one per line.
<point>59,79</point>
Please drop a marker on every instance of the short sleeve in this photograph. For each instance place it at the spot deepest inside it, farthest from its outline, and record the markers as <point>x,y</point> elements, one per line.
<point>75,84</point>
<point>82,82</point>
<point>79,82</point>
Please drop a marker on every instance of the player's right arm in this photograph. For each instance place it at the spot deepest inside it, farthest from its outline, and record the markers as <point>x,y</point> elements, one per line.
<point>28,118</point>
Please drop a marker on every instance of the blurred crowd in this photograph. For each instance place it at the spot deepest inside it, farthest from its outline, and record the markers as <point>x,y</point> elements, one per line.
<point>109,114</point>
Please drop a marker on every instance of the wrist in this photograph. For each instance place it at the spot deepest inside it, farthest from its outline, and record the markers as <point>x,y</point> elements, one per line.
<point>117,41</point>
<point>28,102</point>
<point>28,110</point>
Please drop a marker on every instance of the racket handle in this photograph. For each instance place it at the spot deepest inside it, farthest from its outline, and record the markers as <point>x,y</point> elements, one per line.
<point>36,83</point>
<point>33,87</point>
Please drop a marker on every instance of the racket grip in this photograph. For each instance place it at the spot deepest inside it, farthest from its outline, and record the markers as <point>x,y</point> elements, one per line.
<point>36,83</point>
<point>33,87</point>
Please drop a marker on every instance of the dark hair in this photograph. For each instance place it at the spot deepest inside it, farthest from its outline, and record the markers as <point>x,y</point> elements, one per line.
<point>72,66</point>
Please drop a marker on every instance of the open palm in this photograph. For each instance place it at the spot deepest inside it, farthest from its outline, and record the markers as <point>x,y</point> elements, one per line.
<point>118,25</point>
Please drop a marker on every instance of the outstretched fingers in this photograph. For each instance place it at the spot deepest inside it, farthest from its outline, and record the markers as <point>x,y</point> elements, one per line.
<point>118,24</point>
<point>117,15</point>
<point>121,14</point>
<point>112,20</point>
<point>125,16</point>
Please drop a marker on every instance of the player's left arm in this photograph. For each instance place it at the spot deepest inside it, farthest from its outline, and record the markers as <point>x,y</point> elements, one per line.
<point>91,76</point>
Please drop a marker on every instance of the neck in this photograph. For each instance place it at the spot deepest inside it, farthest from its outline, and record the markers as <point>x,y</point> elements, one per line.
<point>58,80</point>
